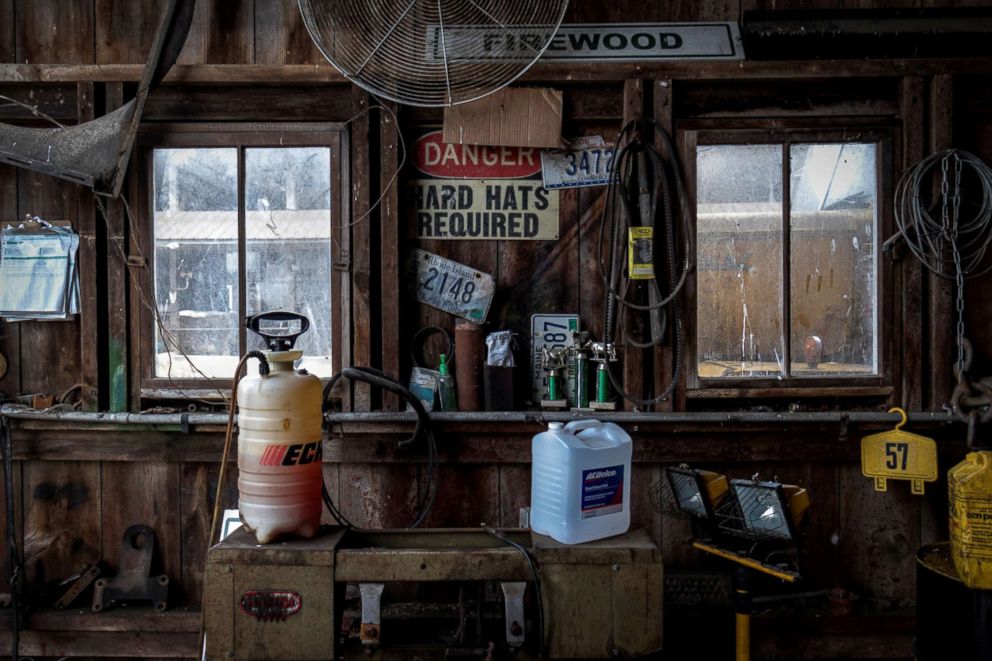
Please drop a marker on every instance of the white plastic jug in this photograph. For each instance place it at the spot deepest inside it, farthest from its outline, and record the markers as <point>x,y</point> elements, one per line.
<point>279,444</point>
<point>580,481</point>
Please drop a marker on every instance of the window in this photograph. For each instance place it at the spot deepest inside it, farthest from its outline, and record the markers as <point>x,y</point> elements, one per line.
<point>787,258</point>
<point>240,223</point>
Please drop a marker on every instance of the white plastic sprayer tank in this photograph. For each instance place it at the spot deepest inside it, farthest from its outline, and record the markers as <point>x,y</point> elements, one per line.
<point>279,450</point>
<point>580,481</point>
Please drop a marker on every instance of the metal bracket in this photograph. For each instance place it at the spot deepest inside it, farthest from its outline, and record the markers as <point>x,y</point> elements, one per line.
<point>371,631</point>
<point>513,596</point>
<point>134,580</point>
<point>83,581</point>
<point>96,153</point>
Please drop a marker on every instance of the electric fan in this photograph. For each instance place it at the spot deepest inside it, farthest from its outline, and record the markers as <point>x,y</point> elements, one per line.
<point>432,52</point>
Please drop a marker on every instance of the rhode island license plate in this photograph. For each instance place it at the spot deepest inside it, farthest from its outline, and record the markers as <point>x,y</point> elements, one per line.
<point>450,286</point>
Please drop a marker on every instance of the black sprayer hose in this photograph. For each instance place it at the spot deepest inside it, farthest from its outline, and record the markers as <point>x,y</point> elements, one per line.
<point>423,429</point>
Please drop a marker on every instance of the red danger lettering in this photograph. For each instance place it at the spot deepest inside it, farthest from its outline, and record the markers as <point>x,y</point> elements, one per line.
<point>434,157</point>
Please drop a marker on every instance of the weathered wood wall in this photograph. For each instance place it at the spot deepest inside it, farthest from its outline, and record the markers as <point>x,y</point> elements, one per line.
<point>77,489</point>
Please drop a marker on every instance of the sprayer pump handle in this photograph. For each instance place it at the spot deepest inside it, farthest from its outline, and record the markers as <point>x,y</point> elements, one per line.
<point>284,341</point>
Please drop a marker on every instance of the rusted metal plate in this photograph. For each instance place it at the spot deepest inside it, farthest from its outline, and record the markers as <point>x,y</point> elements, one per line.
<point>241,547</point>
<point>372,564</point>
<point>635,546</point>
<point>637,601</point>
<point>299,633</point>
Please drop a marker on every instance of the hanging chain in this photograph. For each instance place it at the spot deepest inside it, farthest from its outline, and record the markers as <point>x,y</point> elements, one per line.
<point>949,220</point>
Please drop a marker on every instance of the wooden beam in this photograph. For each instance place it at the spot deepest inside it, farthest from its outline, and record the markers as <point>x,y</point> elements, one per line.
<point>633,357</point>
<point>117,288</point>
<point>361,240</point>
<point>277,74</point>
<point>909,289</point>
<point>942,313</point>
<point>389,251</point>
<point>89,311</point>
<point>662,356</point>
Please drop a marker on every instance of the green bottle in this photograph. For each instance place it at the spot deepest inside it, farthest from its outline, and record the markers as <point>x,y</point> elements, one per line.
<point>446,386</point>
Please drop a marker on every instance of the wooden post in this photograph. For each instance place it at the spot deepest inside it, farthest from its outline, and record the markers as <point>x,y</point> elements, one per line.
<point>633,357</point>
<point>89,311</point>
<point>389,253</point>
<point>663,355</point>
<point>361,273</point>
<point>909,287</point>
<point>943,313</point>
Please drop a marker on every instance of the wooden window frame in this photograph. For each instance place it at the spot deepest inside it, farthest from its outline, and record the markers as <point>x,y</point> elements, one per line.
<point>879,384</point>
<point>333,135</point>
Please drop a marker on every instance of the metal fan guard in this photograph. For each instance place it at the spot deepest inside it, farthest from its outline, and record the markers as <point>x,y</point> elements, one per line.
<point>432,53</point>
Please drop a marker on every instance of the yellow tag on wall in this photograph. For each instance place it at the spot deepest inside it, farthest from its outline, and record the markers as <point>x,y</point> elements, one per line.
<point>899,455</point>
<point>640,253</point>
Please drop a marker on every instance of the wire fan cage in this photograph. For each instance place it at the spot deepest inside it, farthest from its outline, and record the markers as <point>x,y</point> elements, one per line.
<point>756,511</point>
<point>432,52</point>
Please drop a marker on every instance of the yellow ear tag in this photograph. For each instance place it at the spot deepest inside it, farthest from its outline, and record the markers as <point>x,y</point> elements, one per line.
<point>899,455</point>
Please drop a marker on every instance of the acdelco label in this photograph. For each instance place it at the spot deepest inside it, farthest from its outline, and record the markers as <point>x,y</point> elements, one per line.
<point>602,491</point>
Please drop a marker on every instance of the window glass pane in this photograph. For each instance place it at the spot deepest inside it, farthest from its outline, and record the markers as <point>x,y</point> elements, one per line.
<point>195,225</point>
<point>739,260</point>
<point>833,263</point>
<point>288,227</point>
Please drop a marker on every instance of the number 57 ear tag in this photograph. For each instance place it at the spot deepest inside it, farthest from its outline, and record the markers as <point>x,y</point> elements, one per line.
<point>899,455</point>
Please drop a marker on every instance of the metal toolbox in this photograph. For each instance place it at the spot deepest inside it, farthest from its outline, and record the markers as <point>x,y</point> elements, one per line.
<point>287,600</point>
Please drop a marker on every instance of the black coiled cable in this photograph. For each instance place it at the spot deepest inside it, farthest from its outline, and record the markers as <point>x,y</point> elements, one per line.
<point>423,429</point>
<point>617,212</point>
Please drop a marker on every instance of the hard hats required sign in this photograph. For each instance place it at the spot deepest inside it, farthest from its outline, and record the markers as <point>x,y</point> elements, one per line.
<point>480,192</point>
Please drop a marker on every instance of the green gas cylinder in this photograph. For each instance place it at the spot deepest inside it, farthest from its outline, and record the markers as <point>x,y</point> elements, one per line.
<point>969,486</point>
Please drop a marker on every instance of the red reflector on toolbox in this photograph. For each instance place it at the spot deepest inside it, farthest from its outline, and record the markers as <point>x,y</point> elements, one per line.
<point>270,605</point>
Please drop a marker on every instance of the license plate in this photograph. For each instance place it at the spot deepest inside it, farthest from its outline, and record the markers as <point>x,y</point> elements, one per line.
<point>447,285</point>
<point>589,162</point>
<point>553,331</point>
<point>899,455</point>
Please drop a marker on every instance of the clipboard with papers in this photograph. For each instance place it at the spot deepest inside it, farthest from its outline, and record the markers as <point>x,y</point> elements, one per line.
<point>39,273</point>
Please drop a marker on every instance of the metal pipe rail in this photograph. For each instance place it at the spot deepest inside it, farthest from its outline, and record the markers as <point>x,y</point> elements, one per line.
<point>874,418</point>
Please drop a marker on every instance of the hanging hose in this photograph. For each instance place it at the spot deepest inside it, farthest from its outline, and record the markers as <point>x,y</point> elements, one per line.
<point>263,369</point>
<point>423,429</point>
<point>634,154</point>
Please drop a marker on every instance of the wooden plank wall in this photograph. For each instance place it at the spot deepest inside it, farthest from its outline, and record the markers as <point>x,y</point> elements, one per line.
<point>76,507</point>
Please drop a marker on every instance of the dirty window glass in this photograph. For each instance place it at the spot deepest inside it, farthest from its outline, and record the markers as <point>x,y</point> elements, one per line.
<point>288,246</point>
<point>833,220</point>
<point>742,225</point>
<point>287,253</point>
<point>195,220</point>
<point>738,260</point>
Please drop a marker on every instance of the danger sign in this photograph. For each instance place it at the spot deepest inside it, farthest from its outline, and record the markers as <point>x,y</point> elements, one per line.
<point>479,192</point>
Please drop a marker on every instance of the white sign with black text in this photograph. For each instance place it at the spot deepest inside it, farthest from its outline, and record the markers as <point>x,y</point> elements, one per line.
<point>587,42</point>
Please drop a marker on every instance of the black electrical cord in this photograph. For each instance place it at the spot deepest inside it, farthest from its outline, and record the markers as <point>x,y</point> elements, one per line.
<point>617,213</point>
<point>537,582</point>
<point>13,560</point>
<point>423,429</point>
